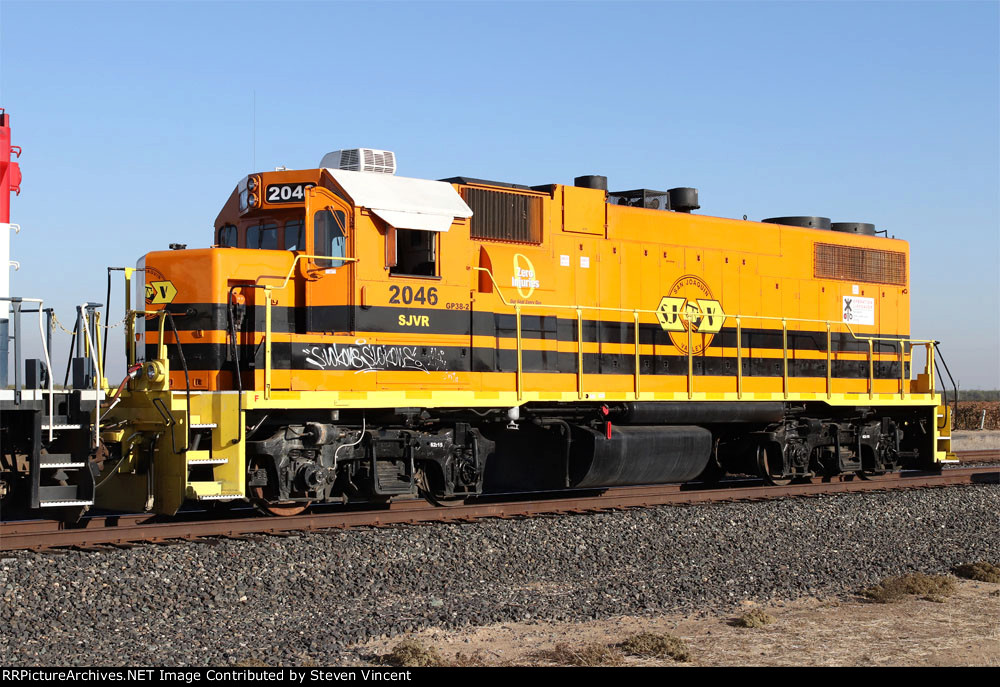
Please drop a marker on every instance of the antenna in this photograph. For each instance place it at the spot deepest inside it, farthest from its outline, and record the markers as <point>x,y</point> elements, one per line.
<point>253,134</point>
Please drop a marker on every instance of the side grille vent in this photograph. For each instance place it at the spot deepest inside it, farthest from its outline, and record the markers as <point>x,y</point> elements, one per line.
<point>859,264</point>
<point>500,216</point>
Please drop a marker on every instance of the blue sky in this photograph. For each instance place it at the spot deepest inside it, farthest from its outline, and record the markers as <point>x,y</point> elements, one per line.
<point>137,120</point>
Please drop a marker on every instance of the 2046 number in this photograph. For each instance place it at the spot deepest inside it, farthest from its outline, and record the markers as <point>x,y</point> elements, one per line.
<point>407,295</point>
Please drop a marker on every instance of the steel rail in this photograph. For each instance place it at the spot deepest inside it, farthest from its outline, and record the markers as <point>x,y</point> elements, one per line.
<point>988,455</point>
<point>122,530</point>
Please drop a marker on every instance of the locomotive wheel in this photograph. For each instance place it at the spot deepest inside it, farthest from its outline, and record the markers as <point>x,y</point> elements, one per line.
<point>423,489</point>
<point>868,474</point>
<point>266,506</point>
<point>443,503</point>
<point>279,509</point>
<point>764,470</point>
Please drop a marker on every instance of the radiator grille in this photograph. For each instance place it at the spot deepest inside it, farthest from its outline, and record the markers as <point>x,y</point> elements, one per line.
<point>504,216</point>
<point>859,264</point>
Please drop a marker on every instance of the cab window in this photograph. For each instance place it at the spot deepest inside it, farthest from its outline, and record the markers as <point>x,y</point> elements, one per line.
<point>330,236</point>
<point>263,236</point>
<point>415,254</point>
<point>228,236</point>
<point>295,235</point>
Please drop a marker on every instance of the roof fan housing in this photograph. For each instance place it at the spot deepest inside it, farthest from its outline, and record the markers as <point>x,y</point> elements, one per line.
<point>361,160</point>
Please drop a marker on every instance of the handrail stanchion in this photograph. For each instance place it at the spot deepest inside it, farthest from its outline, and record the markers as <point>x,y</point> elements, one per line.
<point>98,381</point>
<point>15,321</point>
<point>99,346</point>
<point>635,316</point>
<point>871,369</point>
<point>520,377</point>
<point>129,321</point>
<point>902,369</point>
<point>784,353</point>
<point>161,346</point>
<point>267,342</point>
<point>49,328</point>
<point>930,367</point>
<point>739,359</point>
<point>579,352</point>
<point>829,362</point>
<point>46,347</point>
<point>690,326</point>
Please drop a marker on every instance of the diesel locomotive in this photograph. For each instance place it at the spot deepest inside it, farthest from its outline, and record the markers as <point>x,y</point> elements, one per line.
<point>355,336</point>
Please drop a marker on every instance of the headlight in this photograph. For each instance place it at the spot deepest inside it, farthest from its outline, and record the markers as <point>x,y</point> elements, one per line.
<point>252,183</point>
<point>252,201</point>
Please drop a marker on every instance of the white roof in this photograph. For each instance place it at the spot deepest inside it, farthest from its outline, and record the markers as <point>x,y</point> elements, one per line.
<point>403,202</point>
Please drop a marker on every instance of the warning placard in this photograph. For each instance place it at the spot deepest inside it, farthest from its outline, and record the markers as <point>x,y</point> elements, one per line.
<point>858,310</point>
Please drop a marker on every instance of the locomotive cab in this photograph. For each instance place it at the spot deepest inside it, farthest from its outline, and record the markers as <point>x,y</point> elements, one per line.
<point>310,257</point>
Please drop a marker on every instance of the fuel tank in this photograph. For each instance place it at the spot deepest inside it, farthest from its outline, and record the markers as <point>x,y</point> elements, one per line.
<point>537,459</point>
<point>638,455</point>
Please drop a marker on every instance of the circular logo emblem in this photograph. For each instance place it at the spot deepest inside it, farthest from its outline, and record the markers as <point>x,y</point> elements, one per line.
<point>689,304</point>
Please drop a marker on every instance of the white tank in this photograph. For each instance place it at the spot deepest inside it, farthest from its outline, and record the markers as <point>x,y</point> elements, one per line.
<point>5,267</point>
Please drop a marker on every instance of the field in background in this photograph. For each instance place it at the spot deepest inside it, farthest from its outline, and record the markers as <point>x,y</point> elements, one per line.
<point>970,414</point>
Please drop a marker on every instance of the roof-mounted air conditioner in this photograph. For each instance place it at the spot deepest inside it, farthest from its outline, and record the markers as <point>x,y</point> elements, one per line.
<point>361,160</point>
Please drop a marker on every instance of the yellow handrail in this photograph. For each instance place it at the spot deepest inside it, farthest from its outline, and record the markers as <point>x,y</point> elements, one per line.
<point>698,316</point>
<point>635,314</point>
<point>267,308</point>
<point>739,358</point>
<point>691,320</point>
<point>291,270</point>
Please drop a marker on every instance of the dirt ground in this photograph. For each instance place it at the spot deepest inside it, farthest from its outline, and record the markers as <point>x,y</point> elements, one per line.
<point>974,440</point>
<point>963,630</point>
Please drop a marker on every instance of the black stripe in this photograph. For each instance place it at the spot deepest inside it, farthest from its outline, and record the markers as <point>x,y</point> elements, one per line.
<point>337,318</point>
<point>323,356</point>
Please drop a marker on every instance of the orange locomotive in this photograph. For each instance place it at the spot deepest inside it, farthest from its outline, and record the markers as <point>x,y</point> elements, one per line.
<point>356,335</point>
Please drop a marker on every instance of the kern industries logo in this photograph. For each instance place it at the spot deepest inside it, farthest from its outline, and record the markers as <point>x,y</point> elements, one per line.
<point>690,303</point>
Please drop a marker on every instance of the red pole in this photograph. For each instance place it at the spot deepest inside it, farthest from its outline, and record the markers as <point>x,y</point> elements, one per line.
<point>10,182</point>
<point>10,172</point>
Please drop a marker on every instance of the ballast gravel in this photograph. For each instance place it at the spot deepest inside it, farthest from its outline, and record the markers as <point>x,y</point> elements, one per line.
<point>307,599</point>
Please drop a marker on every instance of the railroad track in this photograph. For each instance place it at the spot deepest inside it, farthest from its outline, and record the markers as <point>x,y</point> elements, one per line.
<point>989,455</point>
<point>127,530</point>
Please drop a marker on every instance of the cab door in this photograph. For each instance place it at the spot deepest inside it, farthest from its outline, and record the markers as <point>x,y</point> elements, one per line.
<point>327,268</point>
<point>426,323</point>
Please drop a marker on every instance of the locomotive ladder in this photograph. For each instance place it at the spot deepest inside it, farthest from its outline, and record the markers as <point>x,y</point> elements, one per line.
<point>60,432</point>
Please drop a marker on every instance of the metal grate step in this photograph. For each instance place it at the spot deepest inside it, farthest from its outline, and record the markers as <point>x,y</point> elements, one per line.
<point>220,497</point>
<point>59,460</point>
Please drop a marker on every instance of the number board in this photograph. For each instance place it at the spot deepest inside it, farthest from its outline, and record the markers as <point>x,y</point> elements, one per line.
<point>286,193</point>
